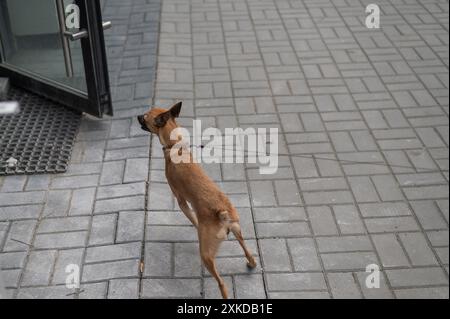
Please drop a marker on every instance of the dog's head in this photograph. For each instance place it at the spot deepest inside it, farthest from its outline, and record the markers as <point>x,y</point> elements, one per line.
<point>157,118</point>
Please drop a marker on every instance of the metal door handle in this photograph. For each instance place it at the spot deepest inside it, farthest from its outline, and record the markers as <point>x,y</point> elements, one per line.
<point>66,36</point>
<point>107,25</point>
<point>74,36</point>
<point>65,42</point>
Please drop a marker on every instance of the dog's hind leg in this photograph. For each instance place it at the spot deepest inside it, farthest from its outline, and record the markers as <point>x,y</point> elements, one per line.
<point>236,229</point>
<point>209,245</point>
<point>190,214</point>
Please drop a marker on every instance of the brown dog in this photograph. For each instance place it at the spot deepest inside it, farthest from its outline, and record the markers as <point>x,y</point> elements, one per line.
<point>213,214</point>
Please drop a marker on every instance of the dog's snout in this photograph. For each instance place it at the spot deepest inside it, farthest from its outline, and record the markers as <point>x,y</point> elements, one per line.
<point>141,121</point>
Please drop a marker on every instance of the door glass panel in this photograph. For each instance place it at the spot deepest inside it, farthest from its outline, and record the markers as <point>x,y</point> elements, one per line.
<point>32,42</point>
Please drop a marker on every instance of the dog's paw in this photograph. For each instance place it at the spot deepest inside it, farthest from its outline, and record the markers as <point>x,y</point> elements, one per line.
<point>251,264</point>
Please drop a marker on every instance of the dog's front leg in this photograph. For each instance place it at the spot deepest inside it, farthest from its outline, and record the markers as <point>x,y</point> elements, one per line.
<point>190,214</point>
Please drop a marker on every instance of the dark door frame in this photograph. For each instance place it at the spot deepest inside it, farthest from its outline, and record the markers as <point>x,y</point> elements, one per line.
<point>97,101</point>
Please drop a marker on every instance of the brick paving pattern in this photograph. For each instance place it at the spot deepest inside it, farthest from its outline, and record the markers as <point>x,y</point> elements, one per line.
<point>363,177</point>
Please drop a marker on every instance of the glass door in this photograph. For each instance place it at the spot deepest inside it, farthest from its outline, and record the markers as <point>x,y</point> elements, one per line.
<point>56,48</point>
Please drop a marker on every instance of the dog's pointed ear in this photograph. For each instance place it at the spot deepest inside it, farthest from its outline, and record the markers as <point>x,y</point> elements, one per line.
<point>162,119</point>
<point>176,109</point>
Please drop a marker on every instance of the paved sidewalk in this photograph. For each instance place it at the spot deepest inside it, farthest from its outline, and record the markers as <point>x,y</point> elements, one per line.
<point>363,116</point>
<point>363,179</point>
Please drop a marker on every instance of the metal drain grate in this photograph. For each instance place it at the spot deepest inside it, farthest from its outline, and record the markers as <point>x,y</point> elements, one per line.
<point>40,137</point>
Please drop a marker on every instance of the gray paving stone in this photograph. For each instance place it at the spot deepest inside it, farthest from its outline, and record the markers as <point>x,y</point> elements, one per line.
<point>388,188</point>
<point>343,244</point>
<point>11,278</point>
<point>82,168</point>
<point>75,182</point>
<point>39,268</point>
<point>50,292</point>
<point>317,184</point>
<point>60,240</point>
<point>136,169</point>
<point>249,286</point>
<point>119,204</point>
<point>287,193</point>
<point>363,140</point>
<point>12,260</point>
<point>391,224</point>
<point>348,261</point>
<point>23,198</point>
<point>112,172</point>
<point>417,249</point>
<point>82,201</point>
<point>160,266</point>
<point>438,237</point>
<point>123,289</point>
<point>444,208</point>
<point>275,255</point>
<point>263,193</point>
<point>167,218</point>
<point>187,261</point>
<point>300,295</point>
<point>420,179</point>
<point>390,250</point>
<point>11,213</point>
<point>121,190</point>
<point>4,227</point>
<point>113,252</point>
<point>160,197</point>
<point>416,277</point>
<point>63,260</point>
<point>171,233</point>
<point>343,286</point>
<point>428,215</point>
<point>363,189</point>
<point>110,270</point>
<point>130,226</point>
<point>102,230</point>
<point>385,209</point>
<point>329,197</point>
<point>15,183</point>
<point>296,281</point>
<point>280,214</point>
<point>37,182</point>
<point>57,203</point>
<point>282,229</point>
<point>171,288</point>
<point>70,224</point>
<point>304,254</point>
<point>127,142</point>
<point>348,219</point>
<point>19,235</point>
<point>322,221</point>
<point>383,292</point>
<point>93,291</point>
<point>125,153</point>
<point>422,293</point>
<point>212,292</point>
<point>443,255</point>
